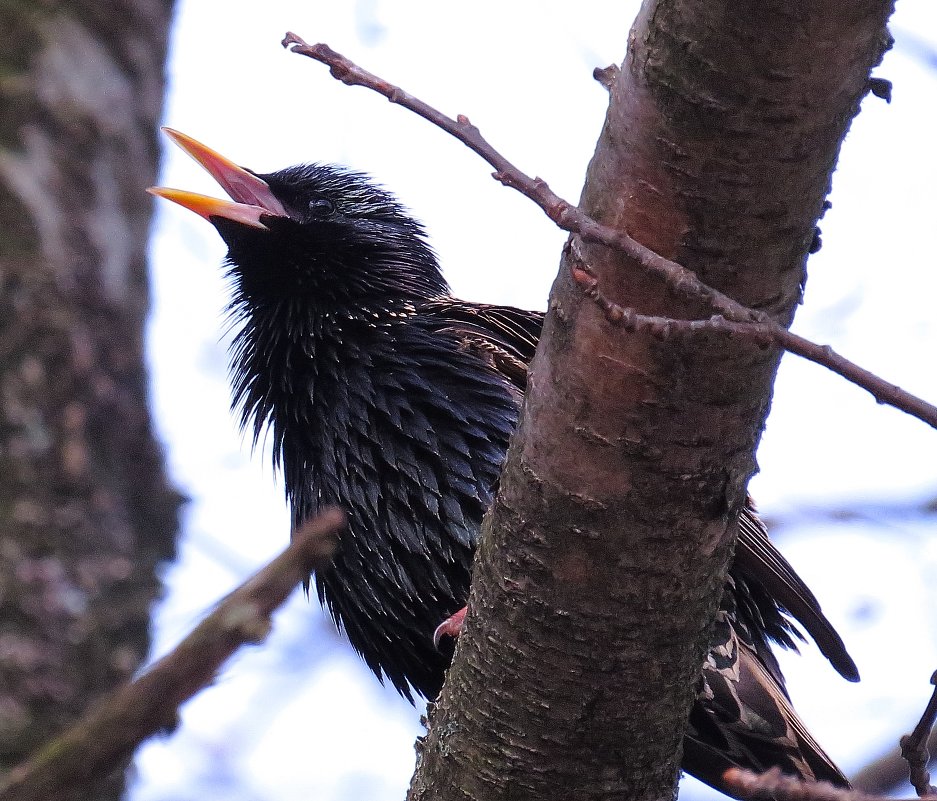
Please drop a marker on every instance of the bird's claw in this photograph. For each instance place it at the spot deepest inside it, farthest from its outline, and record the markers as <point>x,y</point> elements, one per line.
<point>450,627</point>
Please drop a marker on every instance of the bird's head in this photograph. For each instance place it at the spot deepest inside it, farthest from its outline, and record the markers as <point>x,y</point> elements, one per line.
<point>317,235</point>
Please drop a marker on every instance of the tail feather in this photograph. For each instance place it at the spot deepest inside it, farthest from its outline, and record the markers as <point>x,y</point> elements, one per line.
<point>757,560</point>
<point>743,718</point>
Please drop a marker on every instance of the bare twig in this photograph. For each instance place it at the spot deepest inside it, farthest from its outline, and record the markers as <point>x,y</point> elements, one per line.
<point>777,786</point>
<point>765,334</point>
<point>914,746</point>
<point>728,314</point>
<point>564,214</point>
<point>888,772</point>
<point>662,328</point>
<point>606,75</point>
<point>126,717</point>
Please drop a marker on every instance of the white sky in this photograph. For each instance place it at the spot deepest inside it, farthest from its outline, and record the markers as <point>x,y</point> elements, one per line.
<point>300,717</point>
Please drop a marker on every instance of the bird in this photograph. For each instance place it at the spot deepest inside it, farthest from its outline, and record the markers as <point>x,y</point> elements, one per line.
<point>391,398</point>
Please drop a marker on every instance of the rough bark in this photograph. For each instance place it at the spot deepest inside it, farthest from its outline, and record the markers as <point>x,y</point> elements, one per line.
<point>605,555</point>
<point>85,511</point>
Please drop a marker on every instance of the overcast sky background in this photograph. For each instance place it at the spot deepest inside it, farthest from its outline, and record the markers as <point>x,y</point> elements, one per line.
<point>300,717</point>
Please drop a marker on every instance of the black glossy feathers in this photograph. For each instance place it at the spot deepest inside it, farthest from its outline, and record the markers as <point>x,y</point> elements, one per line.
<point>392,399</point>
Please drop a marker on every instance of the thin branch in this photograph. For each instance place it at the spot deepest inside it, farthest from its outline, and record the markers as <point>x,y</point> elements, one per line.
<point>728,313</point>
<point>566,215</point>
<point>777,786</point>
<point>914,746</point>
<point>763,334</point>
<point>888,772</point>
<point>123,719</point>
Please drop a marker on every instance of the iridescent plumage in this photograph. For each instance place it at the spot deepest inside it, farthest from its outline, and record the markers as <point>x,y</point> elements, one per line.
<point>394,400</point>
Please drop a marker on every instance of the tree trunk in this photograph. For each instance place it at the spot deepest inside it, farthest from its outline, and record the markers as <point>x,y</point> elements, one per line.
<point>85,510</point>
<point>605,556</point>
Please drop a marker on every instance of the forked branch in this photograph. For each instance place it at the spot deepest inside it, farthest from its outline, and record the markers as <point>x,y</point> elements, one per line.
<point>728,316</point>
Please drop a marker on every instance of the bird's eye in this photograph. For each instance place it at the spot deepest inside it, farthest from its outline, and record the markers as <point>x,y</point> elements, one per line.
<point>321,207</point>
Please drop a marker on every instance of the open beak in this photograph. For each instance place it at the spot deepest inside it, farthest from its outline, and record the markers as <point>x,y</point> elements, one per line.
<point>251,197</point>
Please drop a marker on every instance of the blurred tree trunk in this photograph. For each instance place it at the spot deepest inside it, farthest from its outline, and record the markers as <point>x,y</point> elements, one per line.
<point>86,514</point>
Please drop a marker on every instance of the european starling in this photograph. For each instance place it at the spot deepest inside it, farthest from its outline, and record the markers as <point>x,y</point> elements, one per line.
<point>392,399</point>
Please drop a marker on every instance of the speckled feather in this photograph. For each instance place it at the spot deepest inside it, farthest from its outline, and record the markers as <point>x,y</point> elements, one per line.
<point>387,396</point>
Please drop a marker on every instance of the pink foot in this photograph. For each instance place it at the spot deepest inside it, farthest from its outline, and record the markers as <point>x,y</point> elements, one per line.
<point>450,627</point>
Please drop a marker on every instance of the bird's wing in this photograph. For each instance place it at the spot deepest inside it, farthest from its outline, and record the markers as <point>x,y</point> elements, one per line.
<point>742,718</point>
<point>768,588</point>
<point>506,337</point>
<point>757,559</point>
